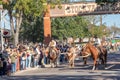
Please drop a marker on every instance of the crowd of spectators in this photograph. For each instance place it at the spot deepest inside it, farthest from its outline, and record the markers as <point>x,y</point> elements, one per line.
<point>13,59</point>
<point>22,57</point>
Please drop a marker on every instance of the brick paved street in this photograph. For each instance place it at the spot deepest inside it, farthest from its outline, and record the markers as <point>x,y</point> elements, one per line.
<point>80,72</point>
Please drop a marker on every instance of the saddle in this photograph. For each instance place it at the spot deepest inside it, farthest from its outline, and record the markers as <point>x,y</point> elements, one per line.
<point>52,51</point>
<point>100,51</point>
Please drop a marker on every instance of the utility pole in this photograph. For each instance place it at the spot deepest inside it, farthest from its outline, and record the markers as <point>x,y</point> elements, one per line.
<point>2,41</point>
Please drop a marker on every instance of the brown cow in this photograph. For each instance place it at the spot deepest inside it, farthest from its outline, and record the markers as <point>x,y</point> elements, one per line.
<point>70,55</point>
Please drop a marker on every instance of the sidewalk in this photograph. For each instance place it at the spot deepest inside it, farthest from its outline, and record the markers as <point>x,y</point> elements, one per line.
<point>20,71</point>
<point>12,76</point>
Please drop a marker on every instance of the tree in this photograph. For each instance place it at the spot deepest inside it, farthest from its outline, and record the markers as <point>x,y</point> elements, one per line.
<point>32,32</point>
<point>93,21</point>
<point>17,9</point>
<point>30,9</point>
<point>69,26</point>
<point>114,29</point>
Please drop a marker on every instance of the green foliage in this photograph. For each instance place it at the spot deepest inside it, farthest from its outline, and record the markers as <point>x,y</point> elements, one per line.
<point>32,32</point>
<point>106,1</point>
<point>53,3</point>
<point>29,11</point>
<point>28,7</point>
<point>69,26</point>
<point>117,40</point>
<point>114,29</point>
<point>0,2</point>
<point>20,10</point>
<point>32,24</point>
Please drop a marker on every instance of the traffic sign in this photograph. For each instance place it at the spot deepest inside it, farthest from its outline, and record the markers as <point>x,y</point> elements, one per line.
<point>6,33</point>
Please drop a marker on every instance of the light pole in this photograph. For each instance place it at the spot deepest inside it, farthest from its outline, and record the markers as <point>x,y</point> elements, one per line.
<point>1,8</point>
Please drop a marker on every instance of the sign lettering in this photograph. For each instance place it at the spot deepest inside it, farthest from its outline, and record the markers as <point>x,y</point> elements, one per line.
<point>89,8</point>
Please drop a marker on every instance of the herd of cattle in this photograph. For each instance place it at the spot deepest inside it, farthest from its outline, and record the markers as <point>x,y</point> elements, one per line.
<point>98,54</point>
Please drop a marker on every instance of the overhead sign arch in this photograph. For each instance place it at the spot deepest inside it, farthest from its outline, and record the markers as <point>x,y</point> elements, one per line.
<point>75,9</point>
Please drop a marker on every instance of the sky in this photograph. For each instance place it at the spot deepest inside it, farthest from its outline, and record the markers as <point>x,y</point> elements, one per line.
<point>113,19</point>
<point>108,19</point>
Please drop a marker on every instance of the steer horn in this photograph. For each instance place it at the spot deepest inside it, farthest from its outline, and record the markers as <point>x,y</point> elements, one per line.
<point>88,54</point>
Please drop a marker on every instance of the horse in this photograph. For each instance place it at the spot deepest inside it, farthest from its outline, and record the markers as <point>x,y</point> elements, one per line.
<point>96,53</point>
<point>52,54</point>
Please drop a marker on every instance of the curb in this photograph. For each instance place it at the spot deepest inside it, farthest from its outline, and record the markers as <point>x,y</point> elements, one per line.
<point>28,69</point>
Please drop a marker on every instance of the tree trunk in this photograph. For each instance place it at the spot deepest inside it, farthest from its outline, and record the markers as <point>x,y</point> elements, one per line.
<point>16,38</point>
<point>11,23</point>
<point>15,28</point>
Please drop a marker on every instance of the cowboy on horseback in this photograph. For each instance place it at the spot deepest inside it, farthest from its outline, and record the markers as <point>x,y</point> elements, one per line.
<point>97,41</point>
<point>53,53</point>
<point>98,44</point>
<point>52,45</point>
<point>101,48</point>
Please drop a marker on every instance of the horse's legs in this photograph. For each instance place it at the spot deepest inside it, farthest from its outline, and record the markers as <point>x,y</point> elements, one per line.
<point>51,63</point>
<point>102,60</point>
<point>85,60</point>
<point>94,64</point>
<point>105,59</point>
<point>56,62</point>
